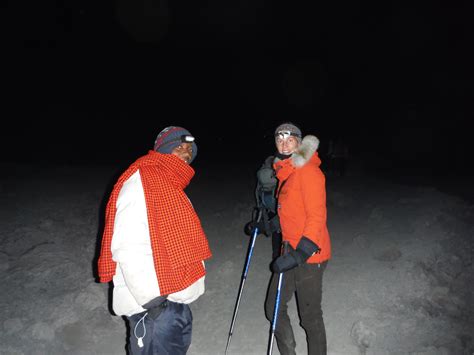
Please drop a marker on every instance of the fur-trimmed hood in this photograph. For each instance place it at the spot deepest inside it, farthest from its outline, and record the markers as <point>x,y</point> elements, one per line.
<point>308,147</point>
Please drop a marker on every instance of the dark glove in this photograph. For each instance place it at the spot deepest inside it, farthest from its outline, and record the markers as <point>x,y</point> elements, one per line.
<point>295,257</point>
<point>250,227</point>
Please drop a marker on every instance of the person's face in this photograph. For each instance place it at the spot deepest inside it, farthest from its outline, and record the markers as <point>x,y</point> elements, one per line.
<point>286,146</point>
<point>184,151</point>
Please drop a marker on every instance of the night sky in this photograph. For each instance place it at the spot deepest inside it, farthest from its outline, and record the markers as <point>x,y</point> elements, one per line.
<point>95,81</point>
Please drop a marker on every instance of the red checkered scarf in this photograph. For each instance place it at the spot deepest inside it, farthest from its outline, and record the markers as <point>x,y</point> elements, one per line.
<point>177,239</point>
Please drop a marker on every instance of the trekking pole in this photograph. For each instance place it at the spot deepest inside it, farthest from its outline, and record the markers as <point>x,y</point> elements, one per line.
<point>244,277</point>
<point>277,303</point>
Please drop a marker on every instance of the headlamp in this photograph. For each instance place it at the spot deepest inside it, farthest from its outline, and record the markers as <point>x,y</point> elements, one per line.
<point>285,134</point>
<point>186,138</point>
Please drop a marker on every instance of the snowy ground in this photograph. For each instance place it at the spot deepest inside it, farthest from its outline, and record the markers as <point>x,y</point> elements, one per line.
<point>400,280</point>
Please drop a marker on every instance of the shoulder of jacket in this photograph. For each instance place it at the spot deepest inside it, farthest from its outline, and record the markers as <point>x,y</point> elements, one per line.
<point>308,147</point>
<point>131,188</point>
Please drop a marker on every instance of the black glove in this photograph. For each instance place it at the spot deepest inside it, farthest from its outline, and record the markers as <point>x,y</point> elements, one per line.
<point>293,258</point>
<point>250,227</point>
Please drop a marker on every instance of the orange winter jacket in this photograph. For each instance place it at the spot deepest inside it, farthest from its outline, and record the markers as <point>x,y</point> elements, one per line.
<point>302,199</point>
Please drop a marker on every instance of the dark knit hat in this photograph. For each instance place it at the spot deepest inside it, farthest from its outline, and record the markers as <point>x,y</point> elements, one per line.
<point>289,128</point>
<point>172,136</point>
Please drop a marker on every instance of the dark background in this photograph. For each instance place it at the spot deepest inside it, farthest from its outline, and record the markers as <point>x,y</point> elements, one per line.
<point>95,81</point>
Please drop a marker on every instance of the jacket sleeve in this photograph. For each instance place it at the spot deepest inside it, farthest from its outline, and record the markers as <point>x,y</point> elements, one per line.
<point>313,189</point>
<point>131,247</point>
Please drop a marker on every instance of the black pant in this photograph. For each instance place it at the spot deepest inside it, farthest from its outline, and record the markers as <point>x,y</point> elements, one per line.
<point>168,334</point>
<point>306,280</point>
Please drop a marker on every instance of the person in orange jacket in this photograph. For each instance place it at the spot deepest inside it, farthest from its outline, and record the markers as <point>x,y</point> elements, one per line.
<point>301,195</point>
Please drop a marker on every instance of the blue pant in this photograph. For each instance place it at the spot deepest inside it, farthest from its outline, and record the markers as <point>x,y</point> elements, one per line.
<point>168,334</point>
